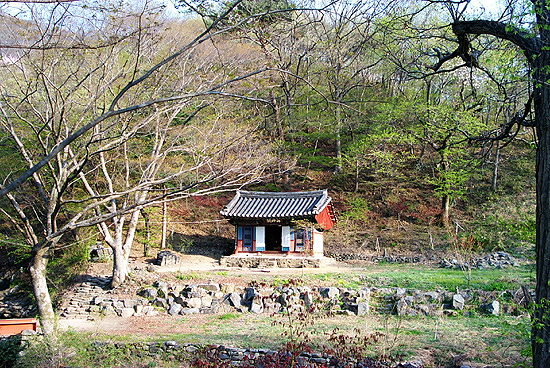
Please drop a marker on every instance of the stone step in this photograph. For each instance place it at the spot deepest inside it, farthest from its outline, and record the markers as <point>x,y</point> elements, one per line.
<point>86,299</point>
<point>73,309</point>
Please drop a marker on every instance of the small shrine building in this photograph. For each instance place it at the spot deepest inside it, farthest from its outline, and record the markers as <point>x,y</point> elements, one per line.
<point>280,222</point>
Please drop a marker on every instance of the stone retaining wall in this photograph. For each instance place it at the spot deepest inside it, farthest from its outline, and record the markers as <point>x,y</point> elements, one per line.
<point>171,350</point>
<point>270,262</point>
<point>212,298</point>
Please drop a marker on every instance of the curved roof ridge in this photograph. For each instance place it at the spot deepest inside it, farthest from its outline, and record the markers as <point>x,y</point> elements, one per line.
<point>253,204</point>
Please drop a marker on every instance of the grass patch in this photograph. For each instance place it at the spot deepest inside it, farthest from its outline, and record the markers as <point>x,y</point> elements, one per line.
<point>499,341</point>
<point>187,276</point>
<point>228,316</point>
<point>412,277</point>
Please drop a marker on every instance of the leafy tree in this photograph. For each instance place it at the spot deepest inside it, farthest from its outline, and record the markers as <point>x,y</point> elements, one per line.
<point>443,131</point>
<point>370,154</point>
<point>346,39</point>
<point>526,26</point>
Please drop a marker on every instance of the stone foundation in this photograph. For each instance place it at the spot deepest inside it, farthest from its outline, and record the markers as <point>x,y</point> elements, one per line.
<point>269,261</point>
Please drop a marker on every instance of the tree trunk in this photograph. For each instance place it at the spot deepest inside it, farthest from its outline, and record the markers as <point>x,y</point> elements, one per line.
<point>276,115</point>
<point>445,207</point>
<point>120,266</point>
<point>338,148</point>
<point>164,224</point>
<point>495,168</point>
<point>356,189</point>
<point>540,333</point>
<point>147,243</point>
<point>446,200</point>
<point>41,293</point>
<point>121,250</point>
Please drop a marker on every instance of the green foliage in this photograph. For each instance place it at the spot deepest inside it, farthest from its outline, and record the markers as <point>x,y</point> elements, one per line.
<point>451,181</point>
<point>442,129</point>
<point>187,276</point>
<point>73,349</point>
<point>183,246</point>
<point>357,207</point>
<point>17,250</point>
<point>10,347</point>
<point>505,225</point>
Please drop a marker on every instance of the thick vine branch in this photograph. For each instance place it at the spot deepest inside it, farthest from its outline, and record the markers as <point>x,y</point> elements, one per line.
<point>526,41</point>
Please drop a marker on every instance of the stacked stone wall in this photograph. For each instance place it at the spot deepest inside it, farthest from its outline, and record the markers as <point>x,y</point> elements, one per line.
<point>212,298</point>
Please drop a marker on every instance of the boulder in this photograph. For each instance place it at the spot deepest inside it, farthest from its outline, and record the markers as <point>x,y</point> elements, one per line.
<point>149,293</point>
<point>433,297</point>
<point>206,301</point>
<point>363,308</point>
<point>234,299</point>
<point>190,311</point>
<point>126,312</point>
<point>167,258</point>
<point>149,310</point>
<point>307,298</point>
<point>401,307</point>
<point>161,303</point>
<point>249,294</point>
<point>400,292</point>
<point>363,294</point>
<point>193,303</point>
<point>458,301</point>
<point>175,309</point>
<point>493,308</point>
<point>210,287</point>
<point>330,292</point>
<point>177,289</point>
<point>108,310</point>
<point>257,306</point>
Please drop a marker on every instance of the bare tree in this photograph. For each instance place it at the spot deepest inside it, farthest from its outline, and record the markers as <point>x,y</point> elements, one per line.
<point>129,82</point>
<point>70,113</point>
<point>193,159</point>
<point>346,40</point>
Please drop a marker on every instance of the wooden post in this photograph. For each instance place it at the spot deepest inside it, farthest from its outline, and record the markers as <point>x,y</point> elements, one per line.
<point>164,223</point>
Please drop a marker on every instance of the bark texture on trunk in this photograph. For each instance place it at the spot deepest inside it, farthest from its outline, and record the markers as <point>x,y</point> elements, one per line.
<point>164,224</point>
<point>495,168</point>
<point>338,144</point>
<point>445,207</point>
<point>121,250</point>
<point>535,47</point>
<point>446,200</point>
<point>120,267</point>
<point>540,333</point>
<point>41,293</point>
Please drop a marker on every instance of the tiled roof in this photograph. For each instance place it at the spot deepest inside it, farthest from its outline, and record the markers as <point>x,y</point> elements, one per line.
<point>266,205</point>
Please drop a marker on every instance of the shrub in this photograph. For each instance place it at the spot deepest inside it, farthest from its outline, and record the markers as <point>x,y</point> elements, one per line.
<point>9,350</point>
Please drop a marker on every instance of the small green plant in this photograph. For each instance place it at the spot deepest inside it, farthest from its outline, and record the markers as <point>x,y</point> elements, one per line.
<point>184,246</point>
<point>187,276</point>
<point>228,316</point>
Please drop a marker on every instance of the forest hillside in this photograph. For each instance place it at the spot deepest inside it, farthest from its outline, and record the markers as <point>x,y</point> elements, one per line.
<point>129,126</point>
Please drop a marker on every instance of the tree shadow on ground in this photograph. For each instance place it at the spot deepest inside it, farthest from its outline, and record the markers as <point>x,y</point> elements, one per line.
<point>203,245</point>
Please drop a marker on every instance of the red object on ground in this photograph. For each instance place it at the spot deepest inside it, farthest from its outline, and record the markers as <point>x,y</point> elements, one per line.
<point>16,326</point>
